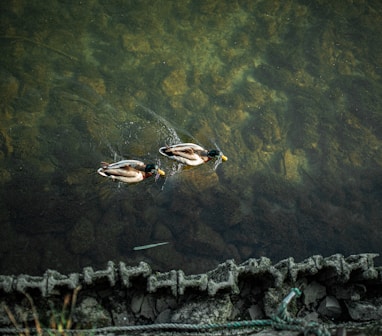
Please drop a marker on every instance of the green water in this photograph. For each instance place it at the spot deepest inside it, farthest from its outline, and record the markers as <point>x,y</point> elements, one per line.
<point>290,91</point>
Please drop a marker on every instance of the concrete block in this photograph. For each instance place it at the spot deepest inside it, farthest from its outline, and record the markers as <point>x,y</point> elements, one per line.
<point>6,283</point>
<point>225,276</point>
<point>127,272</point>
<point>363,266</point>
<point>55,279</point>
<point>199,281</point>
<point>91,276</point>
<point>262,267</point>
<point>25,282</point>
<point>163,280</point>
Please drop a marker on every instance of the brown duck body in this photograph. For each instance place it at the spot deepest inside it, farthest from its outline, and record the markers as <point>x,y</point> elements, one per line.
<point>128,171</point>
<point>190,154</point>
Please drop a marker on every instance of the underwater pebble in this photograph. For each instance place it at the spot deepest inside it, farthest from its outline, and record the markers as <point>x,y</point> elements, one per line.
<point>175,83</point>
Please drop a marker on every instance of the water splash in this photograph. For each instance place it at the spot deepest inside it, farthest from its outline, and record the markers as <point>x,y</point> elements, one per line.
<point>168,130</point>
<point>219,160</point>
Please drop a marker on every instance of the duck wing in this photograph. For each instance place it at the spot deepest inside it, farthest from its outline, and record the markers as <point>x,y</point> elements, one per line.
<point>187,153</point>
<point>126,168</point>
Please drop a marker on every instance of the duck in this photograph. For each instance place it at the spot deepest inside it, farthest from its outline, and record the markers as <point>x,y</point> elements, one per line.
<point>191,154</point>
<point>129,171</point>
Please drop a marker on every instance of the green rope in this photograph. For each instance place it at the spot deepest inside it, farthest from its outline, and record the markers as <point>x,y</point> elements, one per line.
<point>280,321</point>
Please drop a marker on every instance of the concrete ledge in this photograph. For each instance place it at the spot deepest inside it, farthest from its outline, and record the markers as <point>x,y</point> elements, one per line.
<point>225,277</point>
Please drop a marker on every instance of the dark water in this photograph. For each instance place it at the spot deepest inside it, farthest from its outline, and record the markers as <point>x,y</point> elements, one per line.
<point>290,91</point>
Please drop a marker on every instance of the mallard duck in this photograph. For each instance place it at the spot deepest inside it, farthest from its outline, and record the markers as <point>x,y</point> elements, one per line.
<point>129,171</point>
<point>191,154</point>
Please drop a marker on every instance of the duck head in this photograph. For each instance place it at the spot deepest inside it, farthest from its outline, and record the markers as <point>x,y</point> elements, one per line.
<point>154,169</point>
<point>216,153</point>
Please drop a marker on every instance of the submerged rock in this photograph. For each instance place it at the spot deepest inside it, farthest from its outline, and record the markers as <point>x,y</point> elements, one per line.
<point>175,83</point>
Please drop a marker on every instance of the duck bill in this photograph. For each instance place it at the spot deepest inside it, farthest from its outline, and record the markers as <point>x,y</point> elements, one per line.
<point>224,158</point>
<point>161,172</point>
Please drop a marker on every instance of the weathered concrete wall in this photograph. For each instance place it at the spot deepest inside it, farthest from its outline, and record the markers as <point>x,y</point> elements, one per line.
<point>340,289</point>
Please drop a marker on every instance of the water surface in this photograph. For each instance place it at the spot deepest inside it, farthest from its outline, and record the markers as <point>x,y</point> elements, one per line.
<point>290,91</point>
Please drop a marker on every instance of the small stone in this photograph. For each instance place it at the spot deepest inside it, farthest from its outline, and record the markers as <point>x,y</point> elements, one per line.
<point>313,293</point>
<point>312,317</point>
<point>255,312</point>
<point>91,313</point>
<point>148,307</point>
<point>136,303</point>
<point>291,163</point>
<point>330,307</point>
<point>161,304</point>
<point>216,310</point>
<point>175,83</point>
<point>352,292</point>
<point>97,84</point>
<point>164,316</point>
<point>135,43</point>
<point>365,310</point>
<point>120,314</point>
